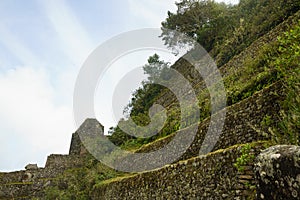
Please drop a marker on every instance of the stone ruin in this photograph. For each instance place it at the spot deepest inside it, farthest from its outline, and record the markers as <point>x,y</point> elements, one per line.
<point>276,173</point>
<point>33,179</point>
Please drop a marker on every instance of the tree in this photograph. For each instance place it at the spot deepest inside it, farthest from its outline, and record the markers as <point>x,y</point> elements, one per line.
<point>256,18</point>
<point>142,99</point>
<point>118,137</point>
<point>205,21</point>
<point>224,30</point>
<point>154,68</point>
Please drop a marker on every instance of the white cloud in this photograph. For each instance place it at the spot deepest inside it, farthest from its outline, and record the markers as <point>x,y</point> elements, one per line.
<point>151,13</point>
<point>75,40</point>
<point>31,123</point>
<point>15,46</point>
<point>120,80</point>
<point>36,114</point>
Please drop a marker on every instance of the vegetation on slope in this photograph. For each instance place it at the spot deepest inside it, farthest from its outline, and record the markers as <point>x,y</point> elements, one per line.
<point>77,183</point>
<point>225,30</point>
<point>204,20</point>
<point>276,61</point>
<point>287,63</point>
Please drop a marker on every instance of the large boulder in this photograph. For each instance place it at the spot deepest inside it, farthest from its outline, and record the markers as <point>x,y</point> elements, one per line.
<point>277,171</point>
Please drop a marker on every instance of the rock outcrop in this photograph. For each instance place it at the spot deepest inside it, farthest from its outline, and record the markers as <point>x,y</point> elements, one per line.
<point>277,171</point>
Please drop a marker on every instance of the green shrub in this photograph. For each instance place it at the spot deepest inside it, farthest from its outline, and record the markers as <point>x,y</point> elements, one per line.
<point>245,159</point>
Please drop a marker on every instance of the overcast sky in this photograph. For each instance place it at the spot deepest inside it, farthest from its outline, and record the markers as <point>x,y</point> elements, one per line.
<point>42,47</point>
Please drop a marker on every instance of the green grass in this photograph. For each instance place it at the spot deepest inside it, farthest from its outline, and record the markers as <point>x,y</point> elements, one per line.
<point>76,183</point>
<point>276,61</point>
<point>17,183</point>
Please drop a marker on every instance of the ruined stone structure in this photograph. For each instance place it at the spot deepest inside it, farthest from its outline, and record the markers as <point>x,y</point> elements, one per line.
<point>242,165</point>
<point>30,182</point>
<point>211,176</point>
<point>90,126</point>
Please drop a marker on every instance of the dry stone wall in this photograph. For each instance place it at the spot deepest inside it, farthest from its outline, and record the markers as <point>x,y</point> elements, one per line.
<point>243,123</point>
<point>26,184</point>
<point>167,98</point>
<point>212,176</point>
<point>62,162</point>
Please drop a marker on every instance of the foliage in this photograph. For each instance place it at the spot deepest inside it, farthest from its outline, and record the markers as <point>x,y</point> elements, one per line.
<point>245,159</point>
<point>155,68</point>
<point>289,67</point>
<point>224,30</point>
<point>76,183</point>
<point>256,19</point>
<point>267,121</point>
<point>206,21</point>
<point>276,61</point>
<point>255,73</point>
<point>118,137</point>
<point>144,97</point>
<point>142,100</point>
<point>282,59</point>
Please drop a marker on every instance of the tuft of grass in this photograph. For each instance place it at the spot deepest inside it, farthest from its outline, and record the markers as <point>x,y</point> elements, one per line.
<point>245,159</point>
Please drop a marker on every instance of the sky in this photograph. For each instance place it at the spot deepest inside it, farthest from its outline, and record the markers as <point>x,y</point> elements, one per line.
<point>43,44</point>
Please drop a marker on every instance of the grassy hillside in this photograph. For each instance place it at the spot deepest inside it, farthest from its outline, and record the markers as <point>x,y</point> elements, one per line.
<point>268,53</point>
<point>245,74</point>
